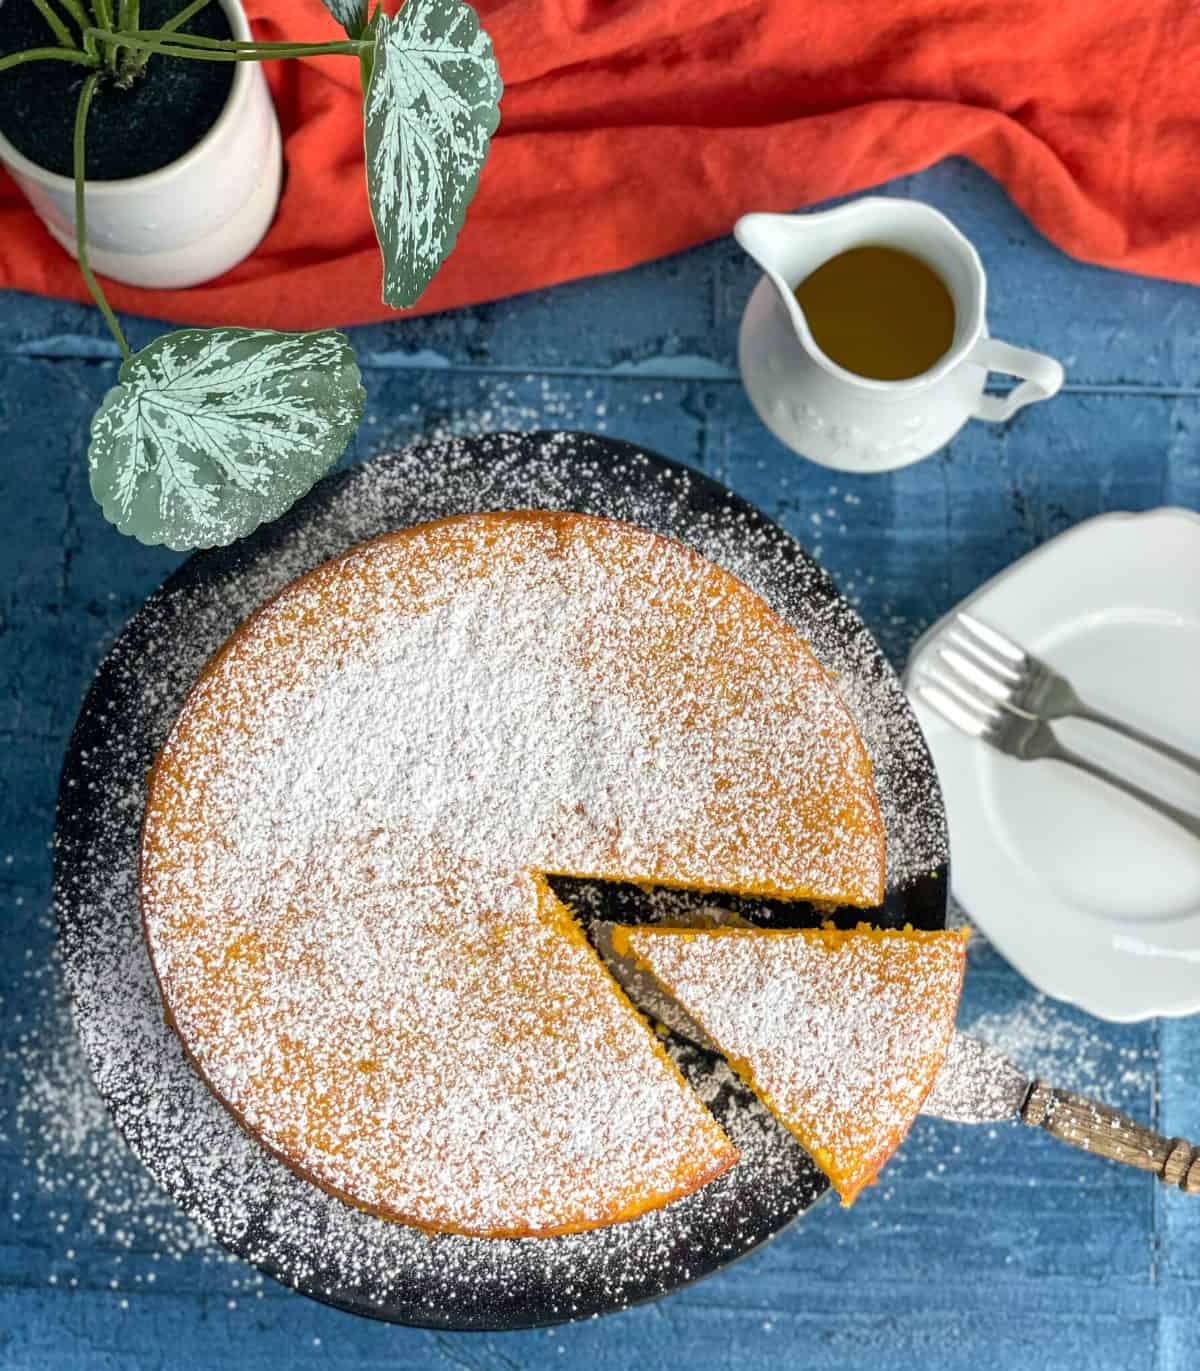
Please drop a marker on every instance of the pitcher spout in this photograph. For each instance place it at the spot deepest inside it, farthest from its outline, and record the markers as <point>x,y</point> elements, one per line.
<point>787,247</point>
<point>790,246</point>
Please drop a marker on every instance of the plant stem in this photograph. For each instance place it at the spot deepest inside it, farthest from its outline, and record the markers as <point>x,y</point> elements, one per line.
<point>196,40</point>
<point>80,150</point>
<point>15,59</point>
<point>366,57</point>
<point>127,22</point>
<point>75,9</point>
<point>137,60</point>
<point>61,32</point>
<point>102,9</point>
<point>184,15</point>
<point>231,50</point>
<point>258,54</point>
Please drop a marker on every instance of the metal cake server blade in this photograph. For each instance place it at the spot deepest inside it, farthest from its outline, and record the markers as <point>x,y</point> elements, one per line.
<point>978,1084</point>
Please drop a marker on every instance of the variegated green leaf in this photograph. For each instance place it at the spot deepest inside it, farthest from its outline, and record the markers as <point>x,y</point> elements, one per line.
<point>211,432</point>
<point>351,14</point>
<point>429,112</point>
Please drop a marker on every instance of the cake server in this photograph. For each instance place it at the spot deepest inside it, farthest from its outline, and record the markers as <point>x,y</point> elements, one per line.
<point>978,1084</point>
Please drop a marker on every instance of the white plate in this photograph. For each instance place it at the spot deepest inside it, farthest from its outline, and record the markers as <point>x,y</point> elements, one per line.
<point>1091,895</point>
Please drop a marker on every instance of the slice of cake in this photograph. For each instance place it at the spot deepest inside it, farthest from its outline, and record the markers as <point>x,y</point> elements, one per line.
<point>348,829</point>
<point>839,1033</point>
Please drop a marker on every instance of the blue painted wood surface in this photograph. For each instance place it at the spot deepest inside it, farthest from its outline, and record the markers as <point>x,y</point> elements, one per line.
<point>980,1247</point>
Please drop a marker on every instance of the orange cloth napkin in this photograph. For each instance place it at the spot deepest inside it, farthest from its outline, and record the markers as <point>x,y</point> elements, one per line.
<point>634,128</point>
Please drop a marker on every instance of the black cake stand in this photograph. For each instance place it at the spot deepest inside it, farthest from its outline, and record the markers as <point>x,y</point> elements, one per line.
<point>217,1174</point>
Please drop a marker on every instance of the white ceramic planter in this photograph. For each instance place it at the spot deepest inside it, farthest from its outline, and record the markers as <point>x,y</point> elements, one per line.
<point>190,220</point>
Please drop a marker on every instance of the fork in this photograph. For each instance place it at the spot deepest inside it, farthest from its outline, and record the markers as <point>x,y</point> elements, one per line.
<point>990,662</point>
<point>1027,738</point>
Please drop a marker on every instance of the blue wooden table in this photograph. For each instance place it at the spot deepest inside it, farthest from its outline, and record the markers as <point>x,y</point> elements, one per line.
<point>991,1247</point>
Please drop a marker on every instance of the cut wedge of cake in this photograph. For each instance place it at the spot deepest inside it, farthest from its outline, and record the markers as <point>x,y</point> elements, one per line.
<point>839,1032</point>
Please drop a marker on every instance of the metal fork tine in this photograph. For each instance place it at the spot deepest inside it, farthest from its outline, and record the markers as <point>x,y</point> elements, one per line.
<point>987,709</point>
<point>1026,738</point>
<point>962,666</point>
<point>993,638</point>
<point>963,719</point>
<point>998,666</point>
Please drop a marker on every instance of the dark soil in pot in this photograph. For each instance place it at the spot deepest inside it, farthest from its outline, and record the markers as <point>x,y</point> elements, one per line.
<point>130,132</point>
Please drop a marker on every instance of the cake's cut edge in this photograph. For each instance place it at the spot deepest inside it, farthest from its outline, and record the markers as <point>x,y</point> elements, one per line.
<point>724,1153</point>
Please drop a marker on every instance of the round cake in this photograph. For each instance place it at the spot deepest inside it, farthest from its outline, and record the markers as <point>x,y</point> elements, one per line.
<point>349,829</point>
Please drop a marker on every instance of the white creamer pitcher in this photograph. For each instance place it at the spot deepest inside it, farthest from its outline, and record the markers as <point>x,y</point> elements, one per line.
<point>856,423</point>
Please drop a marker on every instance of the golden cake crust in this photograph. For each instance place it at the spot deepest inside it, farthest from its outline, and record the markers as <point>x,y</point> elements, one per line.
<point>347,831</point>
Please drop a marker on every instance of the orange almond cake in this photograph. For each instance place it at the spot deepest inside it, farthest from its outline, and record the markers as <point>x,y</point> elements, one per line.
<point>348,829</point>
<point>840,1033</point>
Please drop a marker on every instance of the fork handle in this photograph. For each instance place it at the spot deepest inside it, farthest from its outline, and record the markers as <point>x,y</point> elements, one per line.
<point>1093,1127</point>
<point>1190,822</point>
<point>1096,716</point>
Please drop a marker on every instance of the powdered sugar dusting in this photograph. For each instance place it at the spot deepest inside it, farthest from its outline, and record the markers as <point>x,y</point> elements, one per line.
<point>344,830</point>
<point>228,1183</point>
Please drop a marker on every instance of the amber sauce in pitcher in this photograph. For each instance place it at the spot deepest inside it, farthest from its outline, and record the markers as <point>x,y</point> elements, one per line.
<point>878,312</point>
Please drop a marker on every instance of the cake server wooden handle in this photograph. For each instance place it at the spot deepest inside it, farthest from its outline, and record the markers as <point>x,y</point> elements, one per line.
<point>1095,1128</point>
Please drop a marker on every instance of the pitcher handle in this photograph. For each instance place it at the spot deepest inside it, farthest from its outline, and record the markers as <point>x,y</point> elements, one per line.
<point>1041,377</point>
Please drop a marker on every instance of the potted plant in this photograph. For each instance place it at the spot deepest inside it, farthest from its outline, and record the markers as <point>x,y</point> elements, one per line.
<point>184,158</point>
<point>210,432</point>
